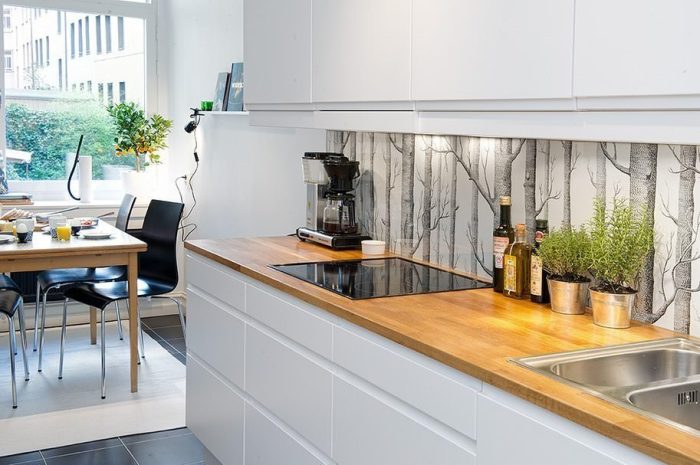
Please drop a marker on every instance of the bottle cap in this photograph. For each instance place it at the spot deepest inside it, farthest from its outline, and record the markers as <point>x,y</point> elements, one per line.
<point>505,200</point>
<point>541,224</point>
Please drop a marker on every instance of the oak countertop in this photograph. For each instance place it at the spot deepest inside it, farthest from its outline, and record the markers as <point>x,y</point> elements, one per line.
<point>476,332</point>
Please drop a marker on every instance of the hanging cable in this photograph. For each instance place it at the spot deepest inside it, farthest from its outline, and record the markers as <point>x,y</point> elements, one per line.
<point>188,227</point>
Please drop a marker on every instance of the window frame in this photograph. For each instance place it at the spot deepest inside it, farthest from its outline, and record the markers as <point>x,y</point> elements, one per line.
<point>147,11</point>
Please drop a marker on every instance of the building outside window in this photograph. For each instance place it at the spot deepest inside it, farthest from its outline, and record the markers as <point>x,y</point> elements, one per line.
<point>8,60</point>
<point>80,37</point>
<point>48,51</point>
<point>87,35</point>
<point>98,34</point>
<point>89,86</point>
<point>108,34</point>
<point>72,40</point>
<point>110,93</point>
<point>6,19</point>
<point>120,33</point>
<point>101,93</point>
<point>122,92</point>
<point>59,22</point>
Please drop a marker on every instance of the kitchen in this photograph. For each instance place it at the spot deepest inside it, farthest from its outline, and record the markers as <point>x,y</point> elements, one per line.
<point>479,144</point>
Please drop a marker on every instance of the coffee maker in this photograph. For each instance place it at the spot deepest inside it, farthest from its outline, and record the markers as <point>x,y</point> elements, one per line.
<point>330,206</point>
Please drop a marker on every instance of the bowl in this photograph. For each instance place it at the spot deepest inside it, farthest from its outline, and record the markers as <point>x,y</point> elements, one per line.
<point>373,247</point>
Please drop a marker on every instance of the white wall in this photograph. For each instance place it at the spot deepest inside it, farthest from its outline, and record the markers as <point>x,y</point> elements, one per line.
<point>249,181</point>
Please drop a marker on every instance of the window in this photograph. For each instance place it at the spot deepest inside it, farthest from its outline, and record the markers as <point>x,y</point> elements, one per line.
<point>89,86</point>
<point>48,53</point>
<point>8,60</point>
<point>87,35</point>
<point>98,34</point>
<point>108,34</point>
<point>82,87</point>
<point>101,92</point>
<point>7,19</point>
<point>80,37</point>
<point>74,88</point>
<point>59,23</point>
<point>120,33</point>
<point>110,93</point>
<point>36,53</point>
<point>122,92</point>
<point>72,40</point>
<point>41,52</point>
<point>60,73</point>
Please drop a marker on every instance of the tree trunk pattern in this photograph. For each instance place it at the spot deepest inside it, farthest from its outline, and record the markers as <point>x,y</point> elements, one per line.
<point>372,223</point>
<point>408,161</point>
<point>546,155</point>
<point>568,149</point>
<point>643,197</point>
<point>388,176</point>
<point>684,239</point>
<point>452,228</point>
<point>600,173</point>
<point>351,145</point>
<point>439,193</point>
<point>503,170</point>
<point>474,220</point>
<point>427,200</point>
<point>529,187</point>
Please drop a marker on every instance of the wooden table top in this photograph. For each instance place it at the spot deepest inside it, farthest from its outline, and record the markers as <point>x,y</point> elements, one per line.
<point>476,332</point>
<point>43,246</point>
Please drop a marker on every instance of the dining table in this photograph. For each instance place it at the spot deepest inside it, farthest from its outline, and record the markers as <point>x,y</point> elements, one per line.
<point>120,248</point>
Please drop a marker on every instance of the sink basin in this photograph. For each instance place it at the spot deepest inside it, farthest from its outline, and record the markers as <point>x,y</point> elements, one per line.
<point>657,378</point>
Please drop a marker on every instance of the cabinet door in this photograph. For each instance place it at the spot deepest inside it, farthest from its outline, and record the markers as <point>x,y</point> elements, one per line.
<point>492,50</point>
<point>367,431</point>
<point>361,50</point>
<point>637,48</point>
<point>277,50</point>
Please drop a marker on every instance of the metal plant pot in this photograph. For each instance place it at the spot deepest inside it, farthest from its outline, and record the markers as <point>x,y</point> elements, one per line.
<point>612,310</point>
<point>566,297</point>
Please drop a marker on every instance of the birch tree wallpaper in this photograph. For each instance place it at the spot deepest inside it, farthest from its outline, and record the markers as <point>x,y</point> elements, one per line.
<point>437,198</point>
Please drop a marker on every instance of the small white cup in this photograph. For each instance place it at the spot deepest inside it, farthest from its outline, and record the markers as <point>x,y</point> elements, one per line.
<point>54,222</point>
<point>373,247</point>
<point>29,223</point>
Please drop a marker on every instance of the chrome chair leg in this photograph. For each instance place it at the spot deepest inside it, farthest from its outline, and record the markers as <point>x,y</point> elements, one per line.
<point>119,322</point>
<point>63,338</point>
<point>102,342</point>
<point>23,335</point>
<point>43,327</point>
<point>11,323</point>
<point>36,315</point>
<point>179,310</point>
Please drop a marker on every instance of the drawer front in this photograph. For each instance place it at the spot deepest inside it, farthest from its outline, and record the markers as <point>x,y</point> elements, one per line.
<point>215,414</point>
<point>267,444</point>
<point>442,393</point>
<point>366,431</point>
<point>215,335</point>
<point>215,280</point>
<point>292,387</point>
<point>296,323</point>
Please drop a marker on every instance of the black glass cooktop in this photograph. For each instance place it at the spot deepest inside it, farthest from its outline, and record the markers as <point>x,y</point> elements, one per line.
<point>379,277</point>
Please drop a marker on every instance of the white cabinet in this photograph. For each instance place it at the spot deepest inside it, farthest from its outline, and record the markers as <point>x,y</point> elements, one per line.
<point>277,49</point>
<point>367,431</point>
<point>637,48</point>
<point>479,50</point>
<point>361,51</point>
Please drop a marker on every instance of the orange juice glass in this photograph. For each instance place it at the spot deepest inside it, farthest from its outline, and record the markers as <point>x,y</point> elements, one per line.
<point>63,233</point>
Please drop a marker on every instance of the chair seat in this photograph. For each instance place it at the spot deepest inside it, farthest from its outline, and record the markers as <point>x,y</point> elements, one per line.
<point>50,278</point>
<point>9,302</point>
<point>100,295</point>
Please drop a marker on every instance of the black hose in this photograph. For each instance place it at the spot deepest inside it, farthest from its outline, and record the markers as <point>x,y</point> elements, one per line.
<point>72,171</point>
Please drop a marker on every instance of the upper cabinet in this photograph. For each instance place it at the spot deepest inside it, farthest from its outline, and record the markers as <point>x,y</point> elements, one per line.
<point>499,50</point>
<point>644,49</point>
<point>361,51</point>
<point>277,52</point>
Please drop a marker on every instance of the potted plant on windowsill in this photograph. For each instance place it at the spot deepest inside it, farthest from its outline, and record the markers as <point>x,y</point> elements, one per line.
<point>621,239</point>
<point>566,256</point>
<point>140,137</point>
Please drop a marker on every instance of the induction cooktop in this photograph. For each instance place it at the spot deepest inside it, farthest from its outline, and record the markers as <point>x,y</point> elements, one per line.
<point>379,277</point>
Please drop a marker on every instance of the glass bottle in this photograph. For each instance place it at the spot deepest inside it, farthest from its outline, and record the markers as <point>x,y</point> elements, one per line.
<point>539,291</point>
<point>516,266</point>
<point>502,237</point>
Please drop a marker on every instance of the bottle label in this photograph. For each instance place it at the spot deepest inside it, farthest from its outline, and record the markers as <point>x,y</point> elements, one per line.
<point>536,275</point>
<point>539,235</point>
<point>499,247</point>
<point>510,265</point>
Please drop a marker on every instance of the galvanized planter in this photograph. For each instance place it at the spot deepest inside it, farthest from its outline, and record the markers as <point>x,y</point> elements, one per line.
<point>568,298</point>
<point>612,310</point>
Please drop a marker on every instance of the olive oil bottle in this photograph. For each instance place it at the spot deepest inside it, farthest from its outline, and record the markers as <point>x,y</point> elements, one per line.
<point>502,238</point>
<point>516,266</point>
<point>539,292</point>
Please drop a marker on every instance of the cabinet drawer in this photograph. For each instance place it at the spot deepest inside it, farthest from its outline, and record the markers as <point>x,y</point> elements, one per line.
<point>215,280</point>
<point>292,387</point>
<point>215,335</point>
<point>214,414</point>
<point>437,390</point>
<point>296,323</point>
<point>267,444</point>
<point>366,431</point>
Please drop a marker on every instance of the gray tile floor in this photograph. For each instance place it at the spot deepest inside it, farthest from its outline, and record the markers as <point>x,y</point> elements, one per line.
<point>171,447</point>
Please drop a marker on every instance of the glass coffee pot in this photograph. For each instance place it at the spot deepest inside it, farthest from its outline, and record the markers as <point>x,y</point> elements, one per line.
<point>339,214</point>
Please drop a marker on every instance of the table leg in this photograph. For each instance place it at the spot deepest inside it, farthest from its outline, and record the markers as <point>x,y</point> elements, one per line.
<point>93,325</point>
<point>133,319</point>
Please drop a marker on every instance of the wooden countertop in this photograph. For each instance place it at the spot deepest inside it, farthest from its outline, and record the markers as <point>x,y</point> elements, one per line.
<point>476,332</point>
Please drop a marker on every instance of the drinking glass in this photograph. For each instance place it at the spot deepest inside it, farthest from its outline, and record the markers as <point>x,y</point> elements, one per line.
<point>63,232</point>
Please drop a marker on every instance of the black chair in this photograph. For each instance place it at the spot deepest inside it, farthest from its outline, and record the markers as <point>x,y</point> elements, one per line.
<point>58,278</point>
<point>11,304</point>
<point>157,272</point>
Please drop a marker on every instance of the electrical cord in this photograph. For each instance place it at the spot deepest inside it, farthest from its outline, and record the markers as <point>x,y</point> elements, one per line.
<point>186,227</point>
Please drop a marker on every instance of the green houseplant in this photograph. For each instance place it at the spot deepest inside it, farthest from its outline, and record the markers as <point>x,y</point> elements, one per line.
<point>621,239</point>
<point>140,137</point>
<point>566,256</point>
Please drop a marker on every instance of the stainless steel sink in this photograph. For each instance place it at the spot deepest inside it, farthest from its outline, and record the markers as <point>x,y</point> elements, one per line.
<point>659,378</point>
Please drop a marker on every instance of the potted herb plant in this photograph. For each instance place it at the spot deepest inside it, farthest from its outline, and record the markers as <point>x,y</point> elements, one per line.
<point>566,256</point>
<point>140,137</point>
<point>621,239</point>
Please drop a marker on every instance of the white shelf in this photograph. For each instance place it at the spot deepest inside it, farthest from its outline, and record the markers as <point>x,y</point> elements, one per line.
<point>238,113</point>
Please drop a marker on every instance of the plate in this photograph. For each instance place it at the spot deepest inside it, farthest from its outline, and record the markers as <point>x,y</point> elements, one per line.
<point>94,235</point>
<point>5,239</point>
<point>87,222</point>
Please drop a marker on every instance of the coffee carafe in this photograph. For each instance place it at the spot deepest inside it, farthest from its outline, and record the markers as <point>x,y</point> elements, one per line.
<point>339,214</point>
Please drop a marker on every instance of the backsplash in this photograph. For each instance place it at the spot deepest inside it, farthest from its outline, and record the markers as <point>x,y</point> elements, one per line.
<point>434,198</point>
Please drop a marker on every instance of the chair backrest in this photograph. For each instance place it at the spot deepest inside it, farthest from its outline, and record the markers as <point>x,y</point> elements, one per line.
<point>160,227</point>
<point>124,213</point>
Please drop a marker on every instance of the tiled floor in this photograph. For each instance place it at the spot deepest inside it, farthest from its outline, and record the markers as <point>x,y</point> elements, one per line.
<point>171,447</point>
